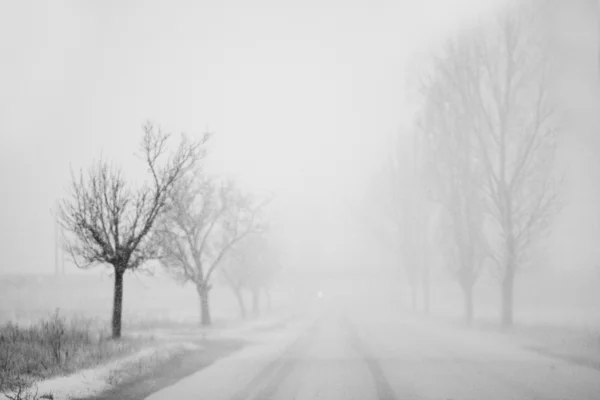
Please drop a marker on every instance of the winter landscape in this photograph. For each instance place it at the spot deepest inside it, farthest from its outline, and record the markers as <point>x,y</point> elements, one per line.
<point>300,200</point>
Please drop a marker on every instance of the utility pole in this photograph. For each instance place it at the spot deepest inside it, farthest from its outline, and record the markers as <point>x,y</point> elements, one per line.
<point>59,259</point>
<point>56,255</point>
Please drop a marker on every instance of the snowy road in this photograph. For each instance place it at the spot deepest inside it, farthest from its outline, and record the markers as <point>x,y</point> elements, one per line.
<point>385,356</point>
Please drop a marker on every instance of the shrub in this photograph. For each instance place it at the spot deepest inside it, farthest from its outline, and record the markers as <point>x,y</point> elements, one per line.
<point>53,346</point>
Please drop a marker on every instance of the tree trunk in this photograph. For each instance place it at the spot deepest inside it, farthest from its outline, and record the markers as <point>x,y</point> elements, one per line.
<point>117,303</point>
<point>507,295</point>
<point>255,301</point>
<point>203,290</point>
<point>240,299</point>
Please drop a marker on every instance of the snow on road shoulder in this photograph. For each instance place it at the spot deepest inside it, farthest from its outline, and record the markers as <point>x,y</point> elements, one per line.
<point>95,380</point>
<point>456,355</point>
<point>223,378</point>
<point>548,377</point>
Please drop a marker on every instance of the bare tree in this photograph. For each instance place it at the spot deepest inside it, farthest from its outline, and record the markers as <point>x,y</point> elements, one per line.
<point>241,267</point>
<point>249,266</point>
<point>261,265</point>
<point>393,213</point>
<point>495,80</point>
<point>407,208</point>
<point>205,220</point>
<point>235,275</point>
<point>109,221</point>
<point>453,176</point>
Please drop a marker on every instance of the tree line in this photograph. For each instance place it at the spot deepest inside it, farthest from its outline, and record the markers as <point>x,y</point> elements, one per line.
<point>188,220</point>
<point>474,175</point>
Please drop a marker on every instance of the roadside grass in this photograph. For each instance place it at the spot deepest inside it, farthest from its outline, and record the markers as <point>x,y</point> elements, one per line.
<point>60,357</point>
<point>63,355</point>
<point>53,346</point>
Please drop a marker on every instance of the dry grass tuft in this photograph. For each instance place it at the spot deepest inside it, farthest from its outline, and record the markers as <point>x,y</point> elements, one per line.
<point>53,346</point>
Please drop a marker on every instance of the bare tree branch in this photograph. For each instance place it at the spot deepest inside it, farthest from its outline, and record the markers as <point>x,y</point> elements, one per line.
<point>103,223</point>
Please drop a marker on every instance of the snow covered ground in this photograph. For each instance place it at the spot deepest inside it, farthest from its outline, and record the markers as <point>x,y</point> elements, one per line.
<point>94,380</point>
<point>168,343</point>
<point>364,351</point>
<point>223,379</point>
<point>360,344</point>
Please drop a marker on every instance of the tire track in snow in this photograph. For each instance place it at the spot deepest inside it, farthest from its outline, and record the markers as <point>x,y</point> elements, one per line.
<point>268,381</point>
<point>264,385</point>
<point>382,385</point>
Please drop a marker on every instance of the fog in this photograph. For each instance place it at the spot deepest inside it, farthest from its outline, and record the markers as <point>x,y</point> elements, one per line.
<point>308,104</point>
<point>80,79</point>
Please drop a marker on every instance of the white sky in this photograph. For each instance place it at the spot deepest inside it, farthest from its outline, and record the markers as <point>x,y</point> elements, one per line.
<point>301,95</point>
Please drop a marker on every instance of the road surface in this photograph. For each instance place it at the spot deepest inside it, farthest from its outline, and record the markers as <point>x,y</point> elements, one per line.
<point>350,354</point>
